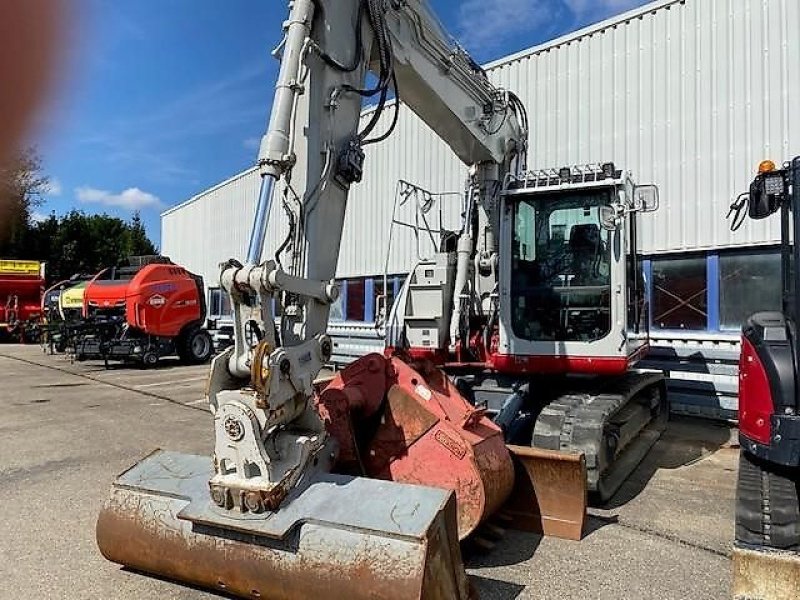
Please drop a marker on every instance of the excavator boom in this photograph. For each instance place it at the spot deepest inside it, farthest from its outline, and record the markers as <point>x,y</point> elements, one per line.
<point>271,513</point>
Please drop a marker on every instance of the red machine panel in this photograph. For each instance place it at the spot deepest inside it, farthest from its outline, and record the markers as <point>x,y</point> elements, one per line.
<point>21,289</point>
<point>160,299</point>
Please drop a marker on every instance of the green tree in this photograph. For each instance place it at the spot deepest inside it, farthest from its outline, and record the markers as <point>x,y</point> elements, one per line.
<point>138,244</point>
<point>73,243</point>
<point>79,243</point>
<point>22,184</point>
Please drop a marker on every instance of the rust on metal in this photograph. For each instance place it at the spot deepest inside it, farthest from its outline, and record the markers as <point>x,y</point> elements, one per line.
<point>260,374</point>
<point>421,440</point>
<point>550,494</point>
<point>141,531</point>
<point>445,440</point>
<point>394,422</point>
<point>762,574</point>
<point>354,395</point>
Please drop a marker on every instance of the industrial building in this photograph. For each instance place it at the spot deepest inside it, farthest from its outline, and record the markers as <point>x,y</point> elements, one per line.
<point>689,95</point>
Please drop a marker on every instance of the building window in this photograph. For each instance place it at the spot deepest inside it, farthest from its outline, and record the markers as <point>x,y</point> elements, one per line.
<point>385,304</point>
<point>749,283</point>
<point>219,303</point>
<point>679,294</point>
<point>337,308</point>
<point>355,299</point>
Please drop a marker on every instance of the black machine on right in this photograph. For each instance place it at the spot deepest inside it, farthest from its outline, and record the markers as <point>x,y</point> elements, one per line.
<point>767,549</point>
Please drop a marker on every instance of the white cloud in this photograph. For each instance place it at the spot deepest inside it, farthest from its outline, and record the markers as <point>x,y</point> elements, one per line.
<point>487,24</point>
<point>484,25</point>
<point>53,188</point>
<point>38,217</point>
<point>132,198</point>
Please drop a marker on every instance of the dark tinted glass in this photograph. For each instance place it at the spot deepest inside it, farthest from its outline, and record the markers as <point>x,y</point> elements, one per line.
<point>749,283</point>
<point>679,293</point>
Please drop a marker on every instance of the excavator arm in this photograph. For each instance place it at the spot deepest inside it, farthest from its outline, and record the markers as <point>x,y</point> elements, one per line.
<point>311,154</point>
<point>269,515</point>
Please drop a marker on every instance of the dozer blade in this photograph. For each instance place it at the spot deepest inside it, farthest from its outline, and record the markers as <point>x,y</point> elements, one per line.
<point>334,537</point>
<point>763,574</point>
<point>549,495</point>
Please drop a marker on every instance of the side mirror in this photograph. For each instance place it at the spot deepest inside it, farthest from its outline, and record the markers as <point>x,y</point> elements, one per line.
<point>609,218</point>
<point>645,198</point>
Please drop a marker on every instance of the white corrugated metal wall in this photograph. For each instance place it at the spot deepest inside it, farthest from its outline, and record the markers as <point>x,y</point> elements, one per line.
<point>211,227</point>
<point>689,94</point>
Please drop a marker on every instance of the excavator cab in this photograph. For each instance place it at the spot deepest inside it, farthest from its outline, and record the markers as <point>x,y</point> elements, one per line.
<point>553,319</point>
<point>570,267</point>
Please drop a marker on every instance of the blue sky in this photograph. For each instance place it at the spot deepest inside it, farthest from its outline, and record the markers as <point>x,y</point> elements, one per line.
<point>161,99</point>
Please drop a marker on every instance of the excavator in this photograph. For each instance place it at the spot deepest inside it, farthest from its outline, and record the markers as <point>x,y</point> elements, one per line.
<point>362,485</point>
<point>766,553</point>
<point>543,326</point>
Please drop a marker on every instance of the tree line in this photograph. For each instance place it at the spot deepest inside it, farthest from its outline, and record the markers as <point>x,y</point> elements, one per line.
<point>70,244</point>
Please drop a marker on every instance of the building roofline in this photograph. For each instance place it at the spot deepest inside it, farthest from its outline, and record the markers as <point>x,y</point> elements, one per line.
<point>196,197</point>
<point>572,36</point>
<point>567,38</point>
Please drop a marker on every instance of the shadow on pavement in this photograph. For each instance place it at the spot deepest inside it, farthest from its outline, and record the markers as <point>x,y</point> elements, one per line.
<point>177,584</point>
<point>493,589</point>
<point>515,547</point>
<point>96,365</point>
<point>686,441</point>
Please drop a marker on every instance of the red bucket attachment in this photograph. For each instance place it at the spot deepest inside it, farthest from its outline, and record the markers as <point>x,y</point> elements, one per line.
<point>394,423</point>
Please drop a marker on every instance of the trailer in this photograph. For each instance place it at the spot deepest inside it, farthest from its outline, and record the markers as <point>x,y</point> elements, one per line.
<point>142,311</point>
<point>22,285</point>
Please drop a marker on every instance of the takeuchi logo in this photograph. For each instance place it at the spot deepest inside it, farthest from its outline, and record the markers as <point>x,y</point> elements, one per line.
<point>157,301</point>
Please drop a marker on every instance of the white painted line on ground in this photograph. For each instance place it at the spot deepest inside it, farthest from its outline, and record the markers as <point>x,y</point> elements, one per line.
<point>159,383</point>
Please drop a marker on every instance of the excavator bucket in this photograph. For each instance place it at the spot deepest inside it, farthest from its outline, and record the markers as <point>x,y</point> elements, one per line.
<point>401,423</point>
<point>765,574</point>
<point>550,493</point>
<point>394,422</point>
<point>325,541</point>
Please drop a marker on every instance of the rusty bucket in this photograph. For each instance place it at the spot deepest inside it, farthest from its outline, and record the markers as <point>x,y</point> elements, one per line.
<point>765,574</point>
<point>334,537</point>
<point>550,494</point>
<point>415,427</point>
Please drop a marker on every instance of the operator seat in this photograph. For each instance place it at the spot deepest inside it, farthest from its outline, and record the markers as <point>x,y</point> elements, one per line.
<point>585,247</point>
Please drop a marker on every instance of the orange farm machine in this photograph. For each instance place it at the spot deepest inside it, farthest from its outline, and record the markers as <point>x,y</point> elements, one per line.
<point>140,312</point>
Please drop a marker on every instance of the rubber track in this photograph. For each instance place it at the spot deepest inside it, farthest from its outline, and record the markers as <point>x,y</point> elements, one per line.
<point>578,421</point>
<point>767,505</point>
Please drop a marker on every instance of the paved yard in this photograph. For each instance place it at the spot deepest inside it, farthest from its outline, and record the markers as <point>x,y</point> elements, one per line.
<point>67,430</point>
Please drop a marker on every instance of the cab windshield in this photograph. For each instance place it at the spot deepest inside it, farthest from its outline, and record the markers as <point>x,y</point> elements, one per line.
<point>561,267</point>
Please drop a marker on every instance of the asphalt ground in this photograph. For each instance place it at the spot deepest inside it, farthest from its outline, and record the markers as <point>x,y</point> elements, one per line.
<point>67,430</point>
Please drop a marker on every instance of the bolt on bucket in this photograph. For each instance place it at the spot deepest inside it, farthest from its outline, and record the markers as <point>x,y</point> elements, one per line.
<point>401,544</point>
